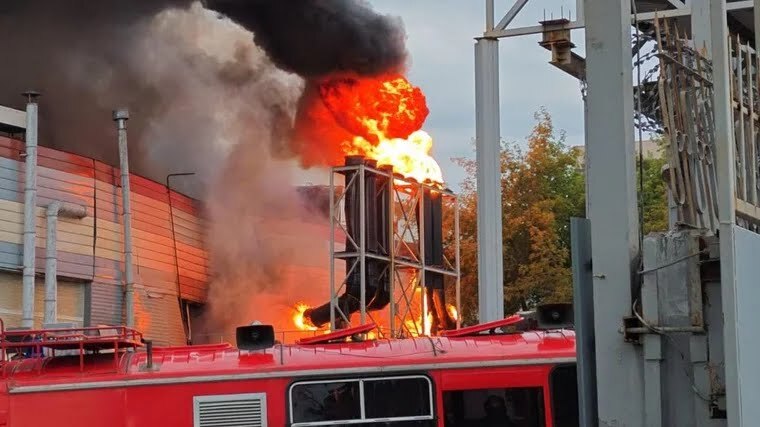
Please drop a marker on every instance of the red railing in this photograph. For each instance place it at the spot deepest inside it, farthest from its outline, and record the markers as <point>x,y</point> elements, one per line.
<point>94,339</point>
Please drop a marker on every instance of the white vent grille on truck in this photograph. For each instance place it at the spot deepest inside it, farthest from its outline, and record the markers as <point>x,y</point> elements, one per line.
<point>230,410</point>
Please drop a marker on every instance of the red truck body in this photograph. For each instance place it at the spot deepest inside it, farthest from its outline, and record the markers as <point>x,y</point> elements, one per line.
<point>434,381</point>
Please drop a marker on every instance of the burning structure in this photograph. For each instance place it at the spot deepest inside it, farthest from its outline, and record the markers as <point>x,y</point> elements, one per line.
<point>232,91</point>
<point>393,253</point>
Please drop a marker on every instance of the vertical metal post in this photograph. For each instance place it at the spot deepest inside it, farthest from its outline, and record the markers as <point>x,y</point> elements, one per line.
<point>724,159</point>
<point>391,252</point>
<point>121,117</point>
<point>30,211</point>
<point>457,262</point>
<point>579,10</point>
<point>362,243</point>
<point>421,236</point>
<point>700,26</point>
<point>51,264</point>
<point>333,299</point>
<point>488,149</point>
<point>583,305</point>
<point>653,343</point>
<point>489,15</point>
<point>612,205</point>
<point>756,14</point>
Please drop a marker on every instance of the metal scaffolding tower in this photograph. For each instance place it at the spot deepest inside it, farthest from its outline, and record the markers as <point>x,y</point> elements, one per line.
<point>400,280</point>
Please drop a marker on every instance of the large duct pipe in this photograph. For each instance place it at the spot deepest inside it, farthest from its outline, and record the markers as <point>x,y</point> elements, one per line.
<point>121,117</point>
<point>54,210</point>
<point>377,202</point>
<point>434,282</point>
<point>30,206</point>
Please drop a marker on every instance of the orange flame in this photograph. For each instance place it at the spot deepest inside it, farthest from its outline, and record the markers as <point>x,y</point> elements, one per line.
<point>385,117</point>
<point>298,319</point>
<point>452,311</point>
<point>419,327</point>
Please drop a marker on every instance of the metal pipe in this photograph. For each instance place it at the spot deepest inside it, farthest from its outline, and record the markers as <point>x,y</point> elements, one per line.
<point>121,117</point>
<point>149,354</point>
<point>30,207</point>
<point>174,244</point>
<point>457,262</point>
<point>54,210</point>
<point>362,244</point>
<point>490,15</point>
<point>421,239</point>
<point>666,330</point>
<point>391,252</point>
<point>333,210</point>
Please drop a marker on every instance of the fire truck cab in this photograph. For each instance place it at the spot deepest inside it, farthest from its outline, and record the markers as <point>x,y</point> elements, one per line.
<point>473,376</point>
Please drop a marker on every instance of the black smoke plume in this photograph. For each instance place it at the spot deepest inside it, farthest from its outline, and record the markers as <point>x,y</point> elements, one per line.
<point>205,96</point>
<point>315,38</point>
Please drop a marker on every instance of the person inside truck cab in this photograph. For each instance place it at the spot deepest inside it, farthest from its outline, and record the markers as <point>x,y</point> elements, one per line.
<point>496,413</point>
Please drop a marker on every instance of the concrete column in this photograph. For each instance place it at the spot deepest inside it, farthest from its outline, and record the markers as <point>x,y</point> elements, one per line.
<point>700,26</point>
<point>488,145</point>
<point>726,171</point>
<point>612,208</point>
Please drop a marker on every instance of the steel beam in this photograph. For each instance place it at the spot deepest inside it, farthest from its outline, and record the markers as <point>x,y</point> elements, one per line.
<point>700,26</point>
<point>610,170</point>
<point>757,22</point>
<point>510,16</point>
<point>583,304</point>
<point>726,171</point>
<point>488,148</point>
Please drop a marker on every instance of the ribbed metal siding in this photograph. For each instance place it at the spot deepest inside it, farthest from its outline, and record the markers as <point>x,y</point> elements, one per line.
<point>231,410</point>
<point>158,317</point>
<point>106,304</point>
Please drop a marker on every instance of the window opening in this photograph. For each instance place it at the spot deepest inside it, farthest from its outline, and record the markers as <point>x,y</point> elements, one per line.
<point>396,401</point>
<point>503,407</point>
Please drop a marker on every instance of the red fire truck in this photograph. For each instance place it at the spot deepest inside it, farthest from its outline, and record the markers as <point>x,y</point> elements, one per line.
<point>111,376</point>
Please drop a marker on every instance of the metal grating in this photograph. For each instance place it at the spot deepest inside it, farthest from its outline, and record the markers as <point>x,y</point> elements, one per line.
<point>231,410</point>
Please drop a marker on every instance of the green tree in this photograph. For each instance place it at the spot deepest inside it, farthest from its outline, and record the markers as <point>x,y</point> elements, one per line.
<point>541,189</point>
<point>654,200</point>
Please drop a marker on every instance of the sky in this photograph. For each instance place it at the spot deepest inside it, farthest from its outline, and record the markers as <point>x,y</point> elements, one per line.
<point>441,46</point>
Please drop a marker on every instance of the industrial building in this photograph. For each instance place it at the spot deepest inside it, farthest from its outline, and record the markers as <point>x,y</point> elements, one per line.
<point>169,260</point>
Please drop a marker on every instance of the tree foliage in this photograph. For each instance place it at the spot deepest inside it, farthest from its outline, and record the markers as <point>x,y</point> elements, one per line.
<point>542,188</point>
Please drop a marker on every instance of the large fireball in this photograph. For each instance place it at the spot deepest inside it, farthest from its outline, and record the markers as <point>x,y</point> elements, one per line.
<point>380,118</point>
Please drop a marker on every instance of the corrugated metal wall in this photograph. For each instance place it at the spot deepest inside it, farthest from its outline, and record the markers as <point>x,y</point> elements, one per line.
<point>91,249</point>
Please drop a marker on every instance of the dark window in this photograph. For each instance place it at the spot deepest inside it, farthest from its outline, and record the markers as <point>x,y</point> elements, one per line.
<point>510,407</point>
<point>395,402</point>
<point>564,392</point>
<point>422,423</point>
<point>395,398</point>
<point>330,401</point>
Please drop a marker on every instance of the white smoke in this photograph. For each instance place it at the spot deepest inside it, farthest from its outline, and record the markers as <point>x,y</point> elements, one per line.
<point>259,237</point>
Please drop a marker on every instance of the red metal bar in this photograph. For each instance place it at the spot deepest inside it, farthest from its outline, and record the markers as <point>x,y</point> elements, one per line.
<point>474,330</point>
<point>341,333</point>
<point>82,339</point>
